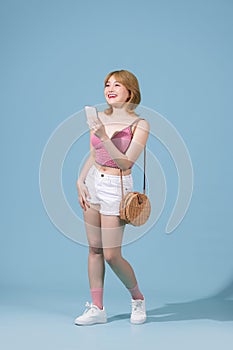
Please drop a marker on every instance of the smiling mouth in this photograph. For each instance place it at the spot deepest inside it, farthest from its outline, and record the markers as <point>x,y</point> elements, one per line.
<point>112,95</point>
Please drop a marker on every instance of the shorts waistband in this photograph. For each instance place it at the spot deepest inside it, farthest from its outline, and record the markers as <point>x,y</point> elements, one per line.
<point>110,176</point>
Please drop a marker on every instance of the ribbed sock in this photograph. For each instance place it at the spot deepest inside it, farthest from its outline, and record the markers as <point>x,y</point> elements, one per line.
<point>97,297</point>
<point>135,293</point>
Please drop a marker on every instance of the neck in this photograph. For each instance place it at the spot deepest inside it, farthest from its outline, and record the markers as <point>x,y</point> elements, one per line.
<point>118,112</point>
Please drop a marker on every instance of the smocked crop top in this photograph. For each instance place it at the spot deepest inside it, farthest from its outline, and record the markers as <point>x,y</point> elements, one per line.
<point>121,139</point>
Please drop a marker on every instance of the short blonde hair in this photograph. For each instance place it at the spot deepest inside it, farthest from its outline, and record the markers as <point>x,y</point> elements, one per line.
<point>130,82</point>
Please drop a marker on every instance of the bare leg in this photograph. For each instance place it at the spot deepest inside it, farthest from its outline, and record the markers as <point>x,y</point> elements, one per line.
<point>96,266</point>
<point>112,234</point>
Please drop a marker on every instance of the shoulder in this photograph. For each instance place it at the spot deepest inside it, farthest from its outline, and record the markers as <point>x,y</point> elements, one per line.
<point>142,124</point>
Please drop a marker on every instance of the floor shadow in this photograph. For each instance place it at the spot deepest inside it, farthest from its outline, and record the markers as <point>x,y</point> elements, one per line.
<point>119,317</point>
<point>211,308</point>
<point>217,308</point>
<point>227,291</point>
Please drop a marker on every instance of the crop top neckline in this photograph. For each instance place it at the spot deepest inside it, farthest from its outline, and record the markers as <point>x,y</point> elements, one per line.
<point>119,131</point>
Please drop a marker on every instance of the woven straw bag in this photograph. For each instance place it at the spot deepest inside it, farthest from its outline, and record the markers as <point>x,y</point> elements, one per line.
<point>135,207</point>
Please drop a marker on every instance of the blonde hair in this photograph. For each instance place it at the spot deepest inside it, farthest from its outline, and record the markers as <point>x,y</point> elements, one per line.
<point>130,82</point>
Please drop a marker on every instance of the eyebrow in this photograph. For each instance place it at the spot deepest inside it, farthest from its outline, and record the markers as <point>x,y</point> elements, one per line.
<point>114,82</point>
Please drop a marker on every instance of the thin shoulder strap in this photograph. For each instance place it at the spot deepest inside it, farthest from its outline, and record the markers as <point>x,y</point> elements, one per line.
<point>135,122</point>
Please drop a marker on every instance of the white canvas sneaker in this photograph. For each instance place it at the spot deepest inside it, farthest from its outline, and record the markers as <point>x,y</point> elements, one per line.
<point>91,315</point>
<point>138,314</point>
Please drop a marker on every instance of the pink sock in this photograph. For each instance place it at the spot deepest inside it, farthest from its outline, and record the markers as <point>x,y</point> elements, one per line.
<point>136,294</point>
<point>97,297</point>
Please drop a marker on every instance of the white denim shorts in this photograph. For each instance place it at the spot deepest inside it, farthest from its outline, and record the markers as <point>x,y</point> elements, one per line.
<point>105,190</point>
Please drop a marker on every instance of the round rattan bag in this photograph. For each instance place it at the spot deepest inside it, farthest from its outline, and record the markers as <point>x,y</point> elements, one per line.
<point>135,208</point>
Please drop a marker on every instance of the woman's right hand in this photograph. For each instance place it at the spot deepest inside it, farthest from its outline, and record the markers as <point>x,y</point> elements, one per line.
<point>83,195</point>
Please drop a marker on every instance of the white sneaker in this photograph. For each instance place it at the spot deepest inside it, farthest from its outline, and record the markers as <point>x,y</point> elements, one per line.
<point>138,314</point>
<point>91,315</point>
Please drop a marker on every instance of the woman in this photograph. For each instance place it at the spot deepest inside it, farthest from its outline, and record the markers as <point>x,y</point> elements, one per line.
<point>117,139</point>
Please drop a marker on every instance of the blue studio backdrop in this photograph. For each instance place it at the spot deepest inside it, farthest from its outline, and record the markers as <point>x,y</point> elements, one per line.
<point>54,57</point>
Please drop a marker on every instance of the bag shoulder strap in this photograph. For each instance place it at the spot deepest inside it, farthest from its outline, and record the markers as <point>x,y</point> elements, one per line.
<point>144,166</point>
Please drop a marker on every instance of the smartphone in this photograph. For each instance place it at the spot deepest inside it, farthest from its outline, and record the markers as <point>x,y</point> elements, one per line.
<point>91,114</point>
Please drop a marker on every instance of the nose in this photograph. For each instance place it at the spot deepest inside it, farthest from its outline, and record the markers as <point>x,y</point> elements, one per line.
<point>110,88</point>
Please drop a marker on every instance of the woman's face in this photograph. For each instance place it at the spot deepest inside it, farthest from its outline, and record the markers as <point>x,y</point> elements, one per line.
<point>115,93</point>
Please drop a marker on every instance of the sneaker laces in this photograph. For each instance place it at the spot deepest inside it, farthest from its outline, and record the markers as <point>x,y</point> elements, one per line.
<point>137,306</point>
<point>89,307</point>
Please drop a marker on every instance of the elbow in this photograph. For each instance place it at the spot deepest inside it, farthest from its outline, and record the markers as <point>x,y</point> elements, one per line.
<point>126,165</point>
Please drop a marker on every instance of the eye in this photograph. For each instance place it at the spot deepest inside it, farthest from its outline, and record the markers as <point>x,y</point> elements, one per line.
<point>117,84</point>
<point>107,84</point>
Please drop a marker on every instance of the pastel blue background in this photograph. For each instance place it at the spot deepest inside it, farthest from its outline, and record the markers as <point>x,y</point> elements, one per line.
<point>54,57</point>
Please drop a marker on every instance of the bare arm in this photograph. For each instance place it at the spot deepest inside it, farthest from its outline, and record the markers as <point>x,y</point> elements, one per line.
<point>81,187</point>
<point>125,161</point>
<point>87,165</point>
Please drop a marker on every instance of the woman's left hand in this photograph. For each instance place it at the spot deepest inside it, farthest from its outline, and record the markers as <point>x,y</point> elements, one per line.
<point>99,129</point>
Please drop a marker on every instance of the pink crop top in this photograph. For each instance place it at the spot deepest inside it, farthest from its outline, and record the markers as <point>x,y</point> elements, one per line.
<point>121,140</point>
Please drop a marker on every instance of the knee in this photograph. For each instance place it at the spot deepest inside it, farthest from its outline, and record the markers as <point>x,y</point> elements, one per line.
<point>111,258</point>
<point>95,251</point>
